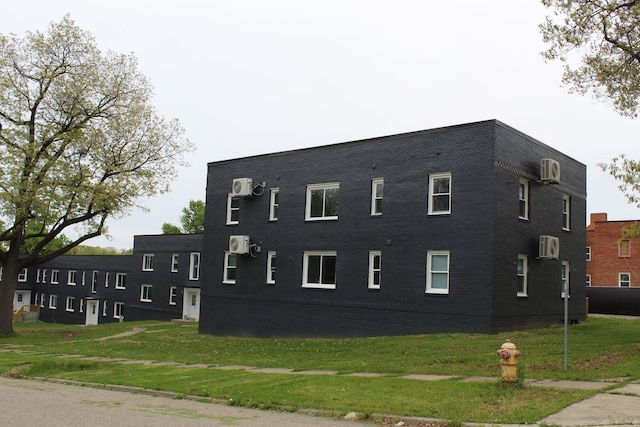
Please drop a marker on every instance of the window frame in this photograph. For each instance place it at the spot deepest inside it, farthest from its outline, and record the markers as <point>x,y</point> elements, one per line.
<point>147,262</point>
<point>174,263</point>
<point>194,266</point>
<point>523,199</point>
<point>53,302</point>
<point>588,255</point>
<point>121,281</point>
<point>433,194</point>
<point>375,273</point>
<point>118,308</point>
<point>430,272</point>
<point>274,203</point>
<point>69,304</point>
<point>271,267</point>
<point>565,280</point>
<point>376,199</point>
<point>311,188</point>
<point>522,271</point>
<point>173,295</point>
<point>566,212</point>
<point>22,276</point>
<point>146,293</point>
<point>227,268</point>
<point>233,210</point>
<point>324,255</point>
<point>55,277</point>
<point>628,281</point>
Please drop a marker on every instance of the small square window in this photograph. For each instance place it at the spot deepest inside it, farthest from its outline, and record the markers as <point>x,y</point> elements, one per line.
<point>624,280</point>
<point>319,270</point>
<point>121,280</point>
<point>173,295</point>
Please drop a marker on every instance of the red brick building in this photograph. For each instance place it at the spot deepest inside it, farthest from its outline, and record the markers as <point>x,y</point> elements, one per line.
<point>611,260</point>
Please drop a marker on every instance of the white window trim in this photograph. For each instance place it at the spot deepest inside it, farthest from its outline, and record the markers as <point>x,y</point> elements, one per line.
<point>146,260</point>
<point>194,266</point>
<point>374,195</point>
<point>22,276</point>
<point>566,282</point>
<point>121,281</point>
<point>225,273</point>
<point>525,183</point>
<point>69,304</point>
<point>273,205</point>
<point>525,275</point>
<point>230,197</point>
<point>432,194</point>
<point>174,263</point>
<point>72,277</point>
<point>55,276</point>
<point>104,308</point>
<point>143,297</point>
<point>305,269</point>
<point>566,212</point>
<point>173,295</point>
<point>53,302</point>
<point>94,281</point>
<point>373,270</point>
<point>620,280</point>
<point>117,310</point>
<point>81,305</point>
<point>588,280</point>
<point>430,289</point>
<point>106,279</point>
<point>325,186</point>
<point>588,253</point>
<point>271,268</point>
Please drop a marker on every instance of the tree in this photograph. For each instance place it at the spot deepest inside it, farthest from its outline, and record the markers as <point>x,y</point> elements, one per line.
<point>605,34</point>
<point>192,220</point>
<point>80,143</point>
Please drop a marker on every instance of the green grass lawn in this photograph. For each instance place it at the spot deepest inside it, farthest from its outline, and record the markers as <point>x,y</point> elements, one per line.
<point>602,348</point>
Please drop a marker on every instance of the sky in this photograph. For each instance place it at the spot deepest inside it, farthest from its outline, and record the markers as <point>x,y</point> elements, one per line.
<point>249,77</point>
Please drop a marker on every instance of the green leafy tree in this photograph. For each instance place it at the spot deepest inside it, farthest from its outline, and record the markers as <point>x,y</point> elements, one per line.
<point>80,143</point>
<point>192,220</point>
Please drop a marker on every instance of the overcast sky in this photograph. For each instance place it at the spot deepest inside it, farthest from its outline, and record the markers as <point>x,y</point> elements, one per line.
<point>248,77</point>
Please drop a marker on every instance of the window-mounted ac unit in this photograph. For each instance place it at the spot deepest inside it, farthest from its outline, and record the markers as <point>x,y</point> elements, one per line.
<point>242,187</point>
<point>239,244</point>
<point>549,171</point>
<point>549,247</point>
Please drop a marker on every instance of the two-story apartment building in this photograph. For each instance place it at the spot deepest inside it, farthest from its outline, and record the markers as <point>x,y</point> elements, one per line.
<point>474,228</point>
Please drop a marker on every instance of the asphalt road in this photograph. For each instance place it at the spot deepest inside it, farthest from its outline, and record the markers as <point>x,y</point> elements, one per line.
<point>25,402</point>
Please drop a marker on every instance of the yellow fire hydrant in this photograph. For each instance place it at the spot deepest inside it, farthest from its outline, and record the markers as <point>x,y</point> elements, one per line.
<point>508,354</point>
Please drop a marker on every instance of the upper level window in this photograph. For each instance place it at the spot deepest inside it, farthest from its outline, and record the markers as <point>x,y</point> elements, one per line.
<point>523,199</point>
<point>54,277</point>
<point>624,280</point>
<point>375,269</point>
<point>94,281</point>
<point>233,210</point>
<point>438,272</point>
<point>565,280</point>
<point>271,267</point>
<point>322,201</point>
<point>274,204</point>
<point>377,186</point>
<point>121,280</point>
<point>174,263</point>
<point>588,253</point>
<point>566,213</point>
<point>194,266</point>
<point>624,248</point>
<point>72,277</point>
<point>588,281</point>
<point>440,191</point>
<point>22,276</point>
<point>522,272</point>
<point>230,265</point>
<point>319,270</point>
<point>147,262</point>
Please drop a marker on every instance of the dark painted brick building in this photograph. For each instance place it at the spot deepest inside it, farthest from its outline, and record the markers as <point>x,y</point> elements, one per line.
<point>474,228</point>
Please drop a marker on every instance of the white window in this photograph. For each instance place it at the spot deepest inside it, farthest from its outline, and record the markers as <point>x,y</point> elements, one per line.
<point>565,280</point>
<point>274,204</point>
<point>322,201</point>
<point>104,308</point>
<point>375,269</point>
<point>271,267</point>
<point>566,213</point>
<point>83,280</point>
<point>38,276</point>
<point>42,299</point>
<point>588,281</point>
<point>22,276</point>
<point>118,310</point>
<point>233,210</point>
<point>72,277</point>
<point>147,262</point>
<point>588,253</point>
<point>121,280</point>
<point>173,295</point>
<point>53,302</point>
<point>522,273</point>
<point>106,279</point>
<point>438,272</point>
<point>54,277</point>
<point>174,263</point>
<point>70,301</point>
<point>230,264</point>
<point>319,269</point>
<point>44,276</point>
<point>624,280</point>
<point>624,248</point>
<point>377,185</point>
<point>81,306</point>
<point>440,191</point>
<point>145,293</point>
<point>94,282</point>
<point>194,266</point>
<point>523,198</point>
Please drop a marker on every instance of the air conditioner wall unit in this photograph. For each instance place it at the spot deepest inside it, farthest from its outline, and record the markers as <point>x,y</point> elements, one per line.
<point>549,247</point>
<point>242,187</point>
<point>549,171</point>
<point>239,244</point>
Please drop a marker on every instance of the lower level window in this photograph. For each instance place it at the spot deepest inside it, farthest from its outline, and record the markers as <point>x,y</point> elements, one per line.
<point>522,275</point>
<point>230,264</point>
<point>173,295</point>
<point>53,302</point>
<point>145,293</point>
<point>566,290</point>
<point>438,272</point>
<point>319,270</point>
<point>70,301</point>
<point>624,280</point>
<point>118,310</point>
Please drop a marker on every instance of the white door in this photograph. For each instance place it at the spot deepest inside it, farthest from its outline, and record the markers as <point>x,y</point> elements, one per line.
<point>92,312</point>
<point>191,304</point>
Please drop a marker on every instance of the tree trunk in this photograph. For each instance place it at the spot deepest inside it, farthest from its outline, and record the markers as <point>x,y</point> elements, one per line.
<point>7,290</point>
